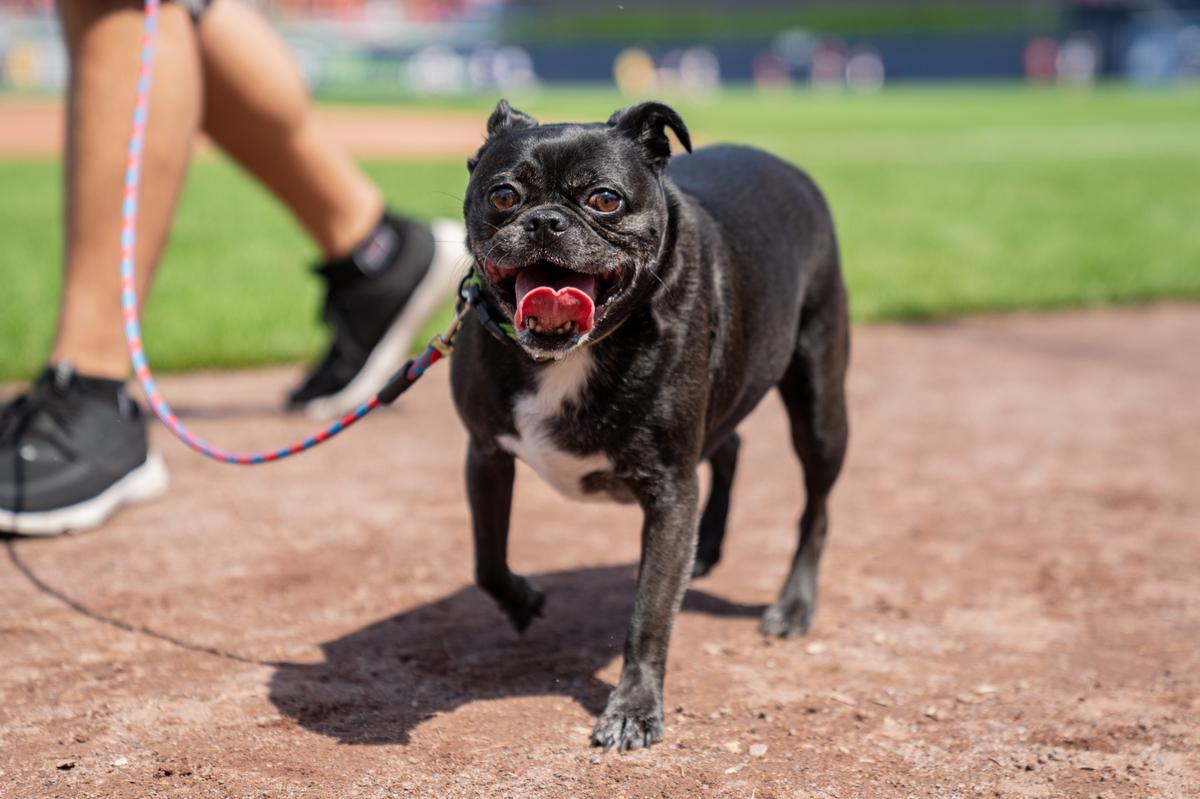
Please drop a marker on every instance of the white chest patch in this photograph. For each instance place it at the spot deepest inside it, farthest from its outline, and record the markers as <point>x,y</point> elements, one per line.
<point>560,382</point>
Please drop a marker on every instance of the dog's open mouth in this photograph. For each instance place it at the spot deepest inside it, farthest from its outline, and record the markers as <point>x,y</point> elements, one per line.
<point>552,300</point>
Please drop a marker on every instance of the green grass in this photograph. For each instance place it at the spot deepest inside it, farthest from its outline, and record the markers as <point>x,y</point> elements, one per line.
<point>948,201</point>
<point>650,22</point>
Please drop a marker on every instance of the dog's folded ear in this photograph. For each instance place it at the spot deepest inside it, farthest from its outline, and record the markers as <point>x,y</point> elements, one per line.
<point>503,118</point>
<point>646,124</point>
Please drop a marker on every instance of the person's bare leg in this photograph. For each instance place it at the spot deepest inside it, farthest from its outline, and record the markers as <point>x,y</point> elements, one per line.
<point>104,42</point>
<point>257,110</point>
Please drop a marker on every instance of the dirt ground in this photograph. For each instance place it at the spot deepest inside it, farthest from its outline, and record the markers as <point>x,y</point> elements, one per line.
<point>34,127</point>
<point>1010,601</point>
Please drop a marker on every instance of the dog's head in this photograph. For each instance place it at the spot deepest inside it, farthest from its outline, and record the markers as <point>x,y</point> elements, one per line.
<point>565,221</point>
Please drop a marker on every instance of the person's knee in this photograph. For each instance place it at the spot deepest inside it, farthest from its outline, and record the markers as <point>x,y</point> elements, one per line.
<point>250,74</point>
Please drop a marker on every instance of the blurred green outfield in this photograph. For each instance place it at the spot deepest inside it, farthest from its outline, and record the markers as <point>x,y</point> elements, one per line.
<point>948,201</point>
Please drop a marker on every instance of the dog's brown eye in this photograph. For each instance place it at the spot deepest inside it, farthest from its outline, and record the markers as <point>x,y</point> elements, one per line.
<point>504,197</point>
<point>605,201</point>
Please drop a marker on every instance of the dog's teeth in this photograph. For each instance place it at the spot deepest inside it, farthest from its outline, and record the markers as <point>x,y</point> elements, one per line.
<point>565,327</point>
<point>532,323</point>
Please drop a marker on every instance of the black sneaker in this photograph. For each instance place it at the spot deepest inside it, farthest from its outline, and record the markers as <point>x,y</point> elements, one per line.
<point>72,451</point>
<point>376,301</point>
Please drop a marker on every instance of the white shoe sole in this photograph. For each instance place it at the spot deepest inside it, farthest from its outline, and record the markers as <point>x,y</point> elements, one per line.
<point>434,290</point>
<point>144,483</point>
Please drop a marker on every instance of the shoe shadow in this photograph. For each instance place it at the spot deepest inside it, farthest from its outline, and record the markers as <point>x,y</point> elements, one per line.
<point>229,410</point>
<point>218,411</point>
<point>377,684</point>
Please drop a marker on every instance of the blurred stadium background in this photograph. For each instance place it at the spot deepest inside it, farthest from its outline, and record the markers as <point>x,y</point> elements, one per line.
<point>387,48</point>
<point>979,154</point>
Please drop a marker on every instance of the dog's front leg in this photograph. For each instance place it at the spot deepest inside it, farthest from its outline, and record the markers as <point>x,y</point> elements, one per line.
<point>634,715</point>
<point>489,490</point>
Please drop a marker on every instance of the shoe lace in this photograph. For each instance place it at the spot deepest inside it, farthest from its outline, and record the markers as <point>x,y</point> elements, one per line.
<point>46,399</point>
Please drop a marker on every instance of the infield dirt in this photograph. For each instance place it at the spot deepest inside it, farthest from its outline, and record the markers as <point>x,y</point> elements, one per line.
<point>34,127</point>
<point>1010,601</point>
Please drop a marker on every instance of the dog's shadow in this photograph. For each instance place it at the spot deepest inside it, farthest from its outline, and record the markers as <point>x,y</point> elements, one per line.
<point>378,683</point>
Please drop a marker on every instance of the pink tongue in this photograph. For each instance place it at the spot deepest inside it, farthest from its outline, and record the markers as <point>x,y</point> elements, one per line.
<point>555,296</point>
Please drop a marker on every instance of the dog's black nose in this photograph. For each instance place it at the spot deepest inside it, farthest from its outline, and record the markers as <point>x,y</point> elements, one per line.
<point>546,222</point>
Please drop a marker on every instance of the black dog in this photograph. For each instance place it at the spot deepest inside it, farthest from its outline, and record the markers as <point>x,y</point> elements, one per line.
<point>648,309</point>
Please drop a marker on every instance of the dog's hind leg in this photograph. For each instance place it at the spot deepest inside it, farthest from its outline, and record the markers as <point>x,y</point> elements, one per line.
<point>489,490</point>
<point>813,390</point>
<point>716,511</point>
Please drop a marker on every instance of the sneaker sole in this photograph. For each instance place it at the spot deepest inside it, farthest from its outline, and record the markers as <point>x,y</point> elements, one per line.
<point>144,483</point>
<point>391,351</point>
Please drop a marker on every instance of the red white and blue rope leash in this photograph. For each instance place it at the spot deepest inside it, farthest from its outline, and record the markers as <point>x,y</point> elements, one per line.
<point>396,385</point>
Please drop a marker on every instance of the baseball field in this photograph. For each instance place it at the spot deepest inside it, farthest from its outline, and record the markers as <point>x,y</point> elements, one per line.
<point>948,201</point>
<point>1010,598</point>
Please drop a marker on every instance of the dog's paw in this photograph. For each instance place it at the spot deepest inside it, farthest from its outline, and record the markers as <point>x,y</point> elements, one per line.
<point>787,619</point>
<point>523,603</point>
<point>625,730</point>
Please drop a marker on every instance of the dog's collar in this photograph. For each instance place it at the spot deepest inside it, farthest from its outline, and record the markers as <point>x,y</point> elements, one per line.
<point>470,293</point>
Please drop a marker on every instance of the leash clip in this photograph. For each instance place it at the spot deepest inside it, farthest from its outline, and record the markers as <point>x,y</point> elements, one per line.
<point>444,342</point>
